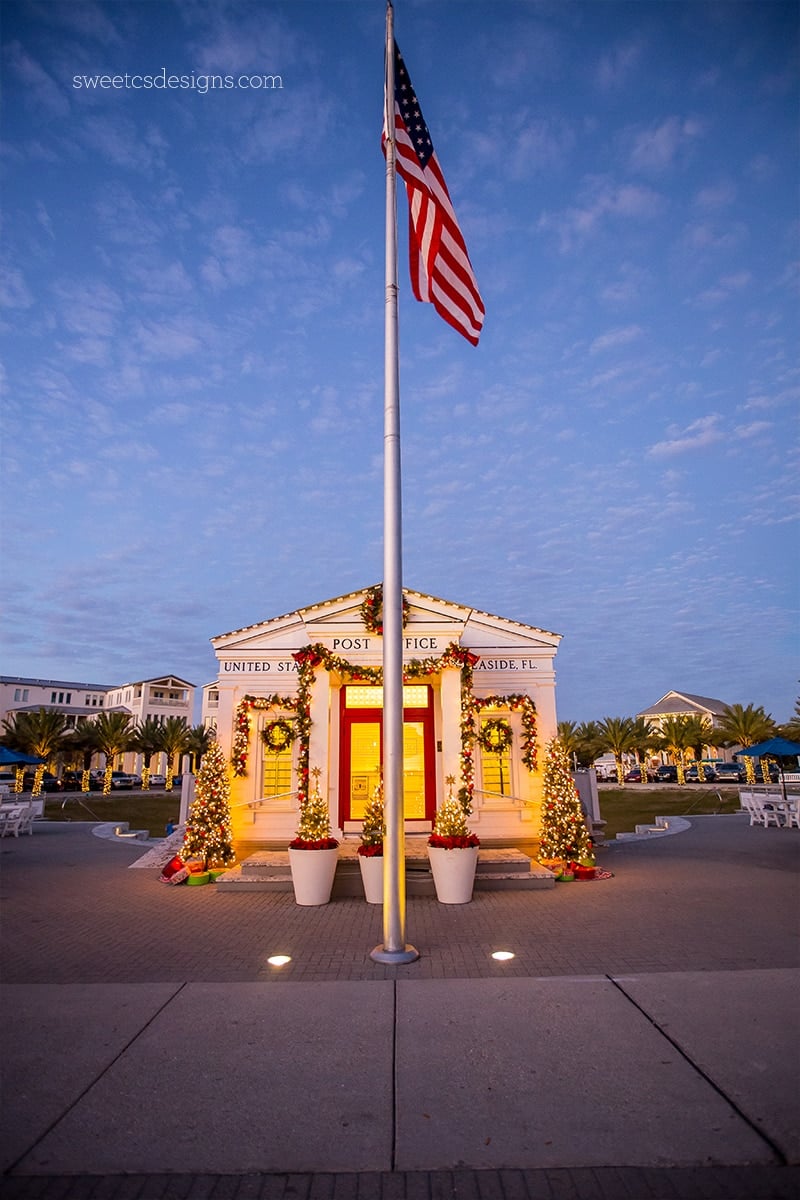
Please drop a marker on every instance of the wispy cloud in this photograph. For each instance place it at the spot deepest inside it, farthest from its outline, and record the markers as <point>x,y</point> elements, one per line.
<point>705,431</point>
<point>724,289</point>
<point>616,66</point>
<point>660,146</point>
<point>605,201</point>
<point>39,88</point>
<point>122,143</point>
<point>615,338</point>
<point>14,292</point>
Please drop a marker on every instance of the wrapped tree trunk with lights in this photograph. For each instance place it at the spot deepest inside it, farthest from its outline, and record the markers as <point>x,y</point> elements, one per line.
<point>565,835</point>
<point>208,827</point>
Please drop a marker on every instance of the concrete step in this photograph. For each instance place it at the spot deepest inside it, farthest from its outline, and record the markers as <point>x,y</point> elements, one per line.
<point>498,869</point>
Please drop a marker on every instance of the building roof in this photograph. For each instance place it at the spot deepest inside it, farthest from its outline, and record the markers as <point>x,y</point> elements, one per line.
<point>682,702</point>
<point>60,683</point>
<point>168,680</point>
<point>409,593</point>
<point>67,710</point>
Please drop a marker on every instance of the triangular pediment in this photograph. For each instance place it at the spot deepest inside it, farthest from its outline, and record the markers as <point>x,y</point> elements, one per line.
<point>342,616</point>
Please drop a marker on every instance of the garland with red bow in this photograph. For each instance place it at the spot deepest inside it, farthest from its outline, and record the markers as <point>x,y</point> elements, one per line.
<point>313,656</point>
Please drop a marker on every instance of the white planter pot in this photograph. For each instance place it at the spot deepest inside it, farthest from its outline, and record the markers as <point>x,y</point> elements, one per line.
<point>453,873</point>
<point>372,877</point>
<point>312,874</point>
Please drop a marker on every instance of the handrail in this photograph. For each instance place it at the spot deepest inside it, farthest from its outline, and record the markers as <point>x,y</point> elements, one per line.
<point>263,800</point>
<point>94,816</point>
<point>500,796</point>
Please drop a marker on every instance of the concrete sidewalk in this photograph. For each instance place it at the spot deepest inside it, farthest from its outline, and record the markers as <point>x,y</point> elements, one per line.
<point>148,1052</point>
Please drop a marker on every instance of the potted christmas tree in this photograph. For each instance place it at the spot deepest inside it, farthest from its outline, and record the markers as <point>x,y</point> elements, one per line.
<point>453,852</point>
<point>565,843</point>
<point>313,853</point>
<point>208,838</point>
<point>370,851</point>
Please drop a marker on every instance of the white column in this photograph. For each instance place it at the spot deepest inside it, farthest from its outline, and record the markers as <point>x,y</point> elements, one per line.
<point>319,740</point>
<point>451,728</point>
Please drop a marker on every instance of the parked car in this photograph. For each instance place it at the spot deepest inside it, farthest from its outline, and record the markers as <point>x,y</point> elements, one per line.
<point>71,781</point>
<point>692,774</point>
<point>158,781</point>
<point>49,782</point>
<point>121,779</point>
<point>666,774</point>
<point>635,776</point>
<point>730,773</point>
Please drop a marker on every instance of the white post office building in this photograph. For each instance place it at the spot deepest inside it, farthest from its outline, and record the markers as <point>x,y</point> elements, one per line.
<point>298,699</point>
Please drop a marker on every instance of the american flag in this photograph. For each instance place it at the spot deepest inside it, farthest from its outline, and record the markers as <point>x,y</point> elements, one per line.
<point>441,272</point>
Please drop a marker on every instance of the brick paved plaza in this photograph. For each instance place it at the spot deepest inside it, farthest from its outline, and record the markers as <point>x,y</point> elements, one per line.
<point>722,897</point>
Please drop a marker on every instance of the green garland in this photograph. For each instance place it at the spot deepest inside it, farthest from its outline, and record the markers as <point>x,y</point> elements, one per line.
<point>372,610</point>
<point>313,656</point>
<point>278,735</point>
<point>495,736</point>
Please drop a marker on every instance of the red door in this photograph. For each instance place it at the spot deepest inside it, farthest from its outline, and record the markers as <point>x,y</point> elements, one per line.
<point>361,750</point>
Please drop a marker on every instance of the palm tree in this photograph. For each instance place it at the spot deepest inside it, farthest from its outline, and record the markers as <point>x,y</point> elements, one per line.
<point>590,742</point>
<point>82,740</point>
<point>147,739</point>
<point>791,730</point>
<point>643,739</point>
<point>744,727</point>
<point>675,736</point>
<point>40,733</point>
<point>615,735</point>
<point>698,734</point>
<point>113,734</point>
<point>568,736</point>
<point>199,740</point>
<point>173,741</point>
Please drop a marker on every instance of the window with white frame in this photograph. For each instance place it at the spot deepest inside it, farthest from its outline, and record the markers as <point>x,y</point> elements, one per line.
<point>495,756</point>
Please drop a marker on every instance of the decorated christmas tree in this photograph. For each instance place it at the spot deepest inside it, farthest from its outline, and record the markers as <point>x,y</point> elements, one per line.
<point>208,827</point>
<point>564,832</point>
<point>373,829</point>
<point>450,829</point>
<point>314,829</point>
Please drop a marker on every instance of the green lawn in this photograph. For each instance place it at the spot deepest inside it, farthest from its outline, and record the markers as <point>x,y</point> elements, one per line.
<point>142,810</point>
<point>623,808</point>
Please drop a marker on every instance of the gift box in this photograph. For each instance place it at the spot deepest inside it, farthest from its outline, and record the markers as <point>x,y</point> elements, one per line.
<point>175,871</point>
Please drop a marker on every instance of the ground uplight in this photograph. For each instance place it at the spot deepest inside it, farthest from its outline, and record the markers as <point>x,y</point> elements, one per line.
<point>502,955</point>
<point>279,960</point>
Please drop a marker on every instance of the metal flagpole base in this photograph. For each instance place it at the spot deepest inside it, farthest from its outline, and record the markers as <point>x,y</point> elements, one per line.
<point>409,955</point>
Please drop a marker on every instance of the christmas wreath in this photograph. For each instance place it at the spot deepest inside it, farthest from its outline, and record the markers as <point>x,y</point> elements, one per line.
<point>278,735</point>
<point>495,736</point>
<point>372,610</point>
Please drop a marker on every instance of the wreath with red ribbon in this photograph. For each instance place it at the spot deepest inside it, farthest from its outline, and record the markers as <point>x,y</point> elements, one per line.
<point>372,610</point>
<point>495,736</point>
<point>278,735</point>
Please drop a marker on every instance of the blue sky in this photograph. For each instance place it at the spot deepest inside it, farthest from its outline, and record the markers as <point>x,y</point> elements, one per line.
<point>193,334</point>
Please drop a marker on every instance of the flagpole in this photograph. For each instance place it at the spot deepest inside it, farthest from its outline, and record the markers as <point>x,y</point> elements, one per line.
<point>394,948</point>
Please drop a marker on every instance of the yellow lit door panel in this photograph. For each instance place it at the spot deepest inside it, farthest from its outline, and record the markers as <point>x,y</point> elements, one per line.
<point>365,765</point>
<point>413,770</point>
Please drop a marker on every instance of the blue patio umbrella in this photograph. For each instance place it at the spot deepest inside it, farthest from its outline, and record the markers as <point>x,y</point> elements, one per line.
<point>776,747</point>
<point>17,758</point>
